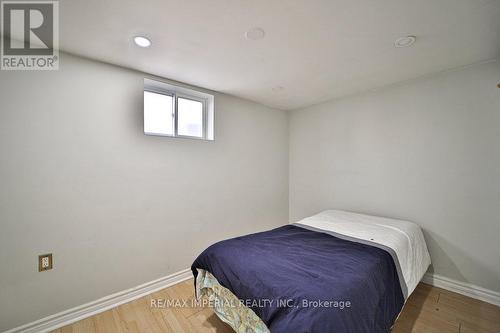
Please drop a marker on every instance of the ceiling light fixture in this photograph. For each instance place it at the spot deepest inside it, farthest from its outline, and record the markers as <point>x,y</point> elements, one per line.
<point>255,34</point>
<point>405,41</point>
<point>142,41</point>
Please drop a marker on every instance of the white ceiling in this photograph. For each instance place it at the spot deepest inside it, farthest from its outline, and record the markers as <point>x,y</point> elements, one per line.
<point>315,49</point>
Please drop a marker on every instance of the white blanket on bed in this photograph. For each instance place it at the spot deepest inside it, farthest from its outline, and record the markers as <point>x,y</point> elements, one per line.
<point>403,237</point>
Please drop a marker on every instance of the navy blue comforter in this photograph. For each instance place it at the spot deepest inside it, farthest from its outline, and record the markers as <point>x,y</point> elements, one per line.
<point>298,280</point>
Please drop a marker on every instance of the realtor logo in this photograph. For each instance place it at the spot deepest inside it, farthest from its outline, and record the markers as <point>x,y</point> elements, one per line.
<point>30,35</point>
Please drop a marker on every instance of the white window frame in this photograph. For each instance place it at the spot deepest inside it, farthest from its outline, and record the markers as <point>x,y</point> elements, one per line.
<point>176,92</point>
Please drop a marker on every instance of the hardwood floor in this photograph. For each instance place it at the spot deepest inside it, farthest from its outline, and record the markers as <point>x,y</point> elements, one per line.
<point>429,310</point>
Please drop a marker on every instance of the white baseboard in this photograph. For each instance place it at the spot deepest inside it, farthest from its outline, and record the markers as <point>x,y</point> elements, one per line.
<point>67,317</point>
<point>463,288</point>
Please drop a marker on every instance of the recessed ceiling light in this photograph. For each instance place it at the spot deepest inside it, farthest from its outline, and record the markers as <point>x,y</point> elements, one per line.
<point>255,34</point>
<point>405,41</point>
<point>142,41</point>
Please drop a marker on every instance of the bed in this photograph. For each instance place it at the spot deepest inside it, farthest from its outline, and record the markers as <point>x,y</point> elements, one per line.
<point>335,271</point>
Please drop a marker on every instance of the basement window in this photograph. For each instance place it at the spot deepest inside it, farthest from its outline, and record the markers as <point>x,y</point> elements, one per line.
<point>176,111</point>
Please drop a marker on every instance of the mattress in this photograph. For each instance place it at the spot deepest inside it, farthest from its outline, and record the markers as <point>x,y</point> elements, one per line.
<point>403,239</point>
<point>333,257</point>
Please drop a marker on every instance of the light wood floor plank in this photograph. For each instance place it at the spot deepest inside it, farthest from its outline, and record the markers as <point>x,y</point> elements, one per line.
<point>428,310</point>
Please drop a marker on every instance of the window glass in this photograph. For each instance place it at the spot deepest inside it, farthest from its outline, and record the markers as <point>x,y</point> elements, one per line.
<point>189,117</point>
<point>158,114</point>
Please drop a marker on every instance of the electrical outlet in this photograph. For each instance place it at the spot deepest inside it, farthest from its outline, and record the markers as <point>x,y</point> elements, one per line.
<point>45,262</point>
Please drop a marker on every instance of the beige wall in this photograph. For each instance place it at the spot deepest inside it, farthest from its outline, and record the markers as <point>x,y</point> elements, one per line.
<point>427,150</point>
<point>118,208</point>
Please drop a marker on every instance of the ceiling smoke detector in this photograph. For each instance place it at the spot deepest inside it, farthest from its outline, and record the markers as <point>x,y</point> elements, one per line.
<point>255,34</point>
<point>405,41</point>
